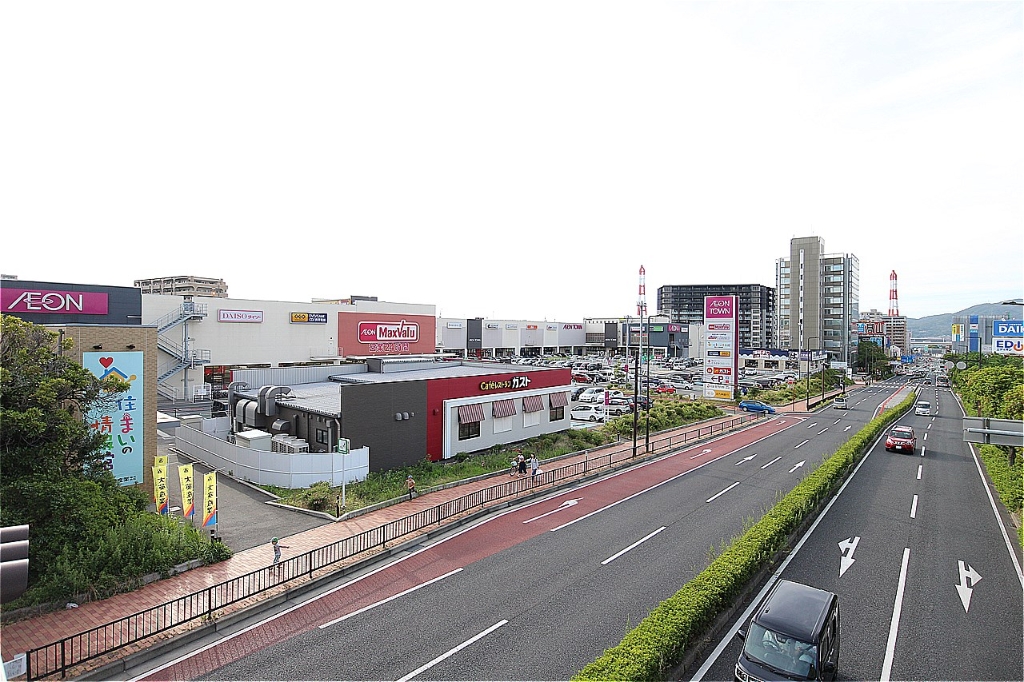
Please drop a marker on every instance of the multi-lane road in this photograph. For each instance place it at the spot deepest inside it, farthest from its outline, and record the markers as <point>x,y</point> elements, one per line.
<point>539,591</point>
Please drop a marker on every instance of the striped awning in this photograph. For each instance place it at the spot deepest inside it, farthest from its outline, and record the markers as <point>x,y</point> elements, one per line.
<point>471,413</point>
<point>533,403</point>
<point>503,408</point>
<point>559,399</point>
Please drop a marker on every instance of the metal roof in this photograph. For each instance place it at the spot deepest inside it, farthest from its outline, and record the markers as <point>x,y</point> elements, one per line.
<point>323,397</point>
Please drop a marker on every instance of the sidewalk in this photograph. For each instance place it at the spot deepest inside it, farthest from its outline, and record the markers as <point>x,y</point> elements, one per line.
<point>18,637</point>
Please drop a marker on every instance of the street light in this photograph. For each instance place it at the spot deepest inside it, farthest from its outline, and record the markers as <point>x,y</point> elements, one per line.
<point>809,370</point>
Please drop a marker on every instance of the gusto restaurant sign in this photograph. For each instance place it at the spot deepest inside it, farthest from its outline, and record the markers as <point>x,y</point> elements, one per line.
<point>384,332</point>
<point>46,301</point>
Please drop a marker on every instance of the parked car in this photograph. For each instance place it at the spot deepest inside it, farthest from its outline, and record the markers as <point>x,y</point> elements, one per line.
<point>756,406</point>
<point>640,400</point>
<point>616,406</point>
<point>590,413</point>
<point>664,388</point>
<point>793,635</point>
<point>597,395</point>
<point>576,392</point>
<point>581,378</point>
<point>901,439</point>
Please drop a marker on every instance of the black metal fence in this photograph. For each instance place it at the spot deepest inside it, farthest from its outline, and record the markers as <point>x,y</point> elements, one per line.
<point>58,657</point>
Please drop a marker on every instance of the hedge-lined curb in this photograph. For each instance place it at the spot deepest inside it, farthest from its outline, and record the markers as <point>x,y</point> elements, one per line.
<point>658,643</point>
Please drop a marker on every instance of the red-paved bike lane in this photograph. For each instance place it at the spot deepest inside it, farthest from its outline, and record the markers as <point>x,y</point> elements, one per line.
<point>462,549</point>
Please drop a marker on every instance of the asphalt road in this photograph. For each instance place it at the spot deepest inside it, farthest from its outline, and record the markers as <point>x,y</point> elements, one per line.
<point>541,590</point>
<point>929,583</point>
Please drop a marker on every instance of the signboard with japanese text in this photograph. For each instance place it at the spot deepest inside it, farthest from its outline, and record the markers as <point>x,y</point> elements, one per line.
<point>1008,337</point>
<point>240,316</point>
<point>308,318</point>
<point>721,347</point>
<point>210,499</point>
<point>187,484</point>
<point>120,421</point>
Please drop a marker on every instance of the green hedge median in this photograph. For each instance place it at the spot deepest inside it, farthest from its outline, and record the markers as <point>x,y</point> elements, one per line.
<point>657,645</point>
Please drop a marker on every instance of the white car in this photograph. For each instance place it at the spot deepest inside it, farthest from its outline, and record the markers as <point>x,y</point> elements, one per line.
<point>598,395</point>
<point>588,413</point>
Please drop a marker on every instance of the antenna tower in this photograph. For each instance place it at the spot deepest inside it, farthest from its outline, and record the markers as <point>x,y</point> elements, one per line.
<point>894,301</point>
<point>641,300</point>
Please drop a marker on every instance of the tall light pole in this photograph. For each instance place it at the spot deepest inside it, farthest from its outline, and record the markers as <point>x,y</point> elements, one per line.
<point>809,351</point>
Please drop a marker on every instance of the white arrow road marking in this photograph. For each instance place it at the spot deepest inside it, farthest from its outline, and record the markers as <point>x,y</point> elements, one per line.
<point>848,427</point>
<point>797,447</point>
<point>723,492</point>
<point>847,547</point>
<point>968,579</point>
<point>746,459</point>
<point>797,465</point>
<point>452,652</point>
<point>894,624</point>
<point>564,505</point>
<point>701,453</point>
<point>645,538</point>
<point>771,463</point>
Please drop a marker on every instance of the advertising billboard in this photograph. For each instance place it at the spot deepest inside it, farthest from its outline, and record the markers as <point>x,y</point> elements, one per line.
<point>1008,337</point>
<point>721,347</point>
<point>120,421</point>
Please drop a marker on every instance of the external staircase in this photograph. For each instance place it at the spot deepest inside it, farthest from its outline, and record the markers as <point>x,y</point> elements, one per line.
<point>182,357</point>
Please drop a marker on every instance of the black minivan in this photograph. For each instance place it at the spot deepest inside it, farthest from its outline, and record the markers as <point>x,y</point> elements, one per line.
<point>793,635</point>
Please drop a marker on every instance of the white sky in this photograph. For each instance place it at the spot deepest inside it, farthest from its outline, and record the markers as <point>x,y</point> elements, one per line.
<point>518,159</point>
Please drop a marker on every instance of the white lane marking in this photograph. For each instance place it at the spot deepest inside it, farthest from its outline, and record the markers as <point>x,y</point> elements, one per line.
<point>564,505</point>
<point>822,431</point>
<point>811,426</point>
<point>714,497</point>
<point>385,601</point>
<point>729,637</point>
<point>452,652</point>
<point>796,447</point>
<point>926,435</point>
<point>771,462</point>
<point>645,538</point>
<point>919,467</point>
<point>837,421</point>
<point>995,511</point>
<point>913,508</point>
<point>894,625</point>
<point>923,448</point>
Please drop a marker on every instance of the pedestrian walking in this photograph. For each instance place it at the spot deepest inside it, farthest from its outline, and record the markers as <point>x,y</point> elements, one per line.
<point>534,464</point>
<point>411,485</point>
<point>275,543</point>
<point>522,465</point>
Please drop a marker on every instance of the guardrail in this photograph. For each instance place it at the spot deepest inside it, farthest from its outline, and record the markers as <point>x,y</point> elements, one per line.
<point>58,657</point>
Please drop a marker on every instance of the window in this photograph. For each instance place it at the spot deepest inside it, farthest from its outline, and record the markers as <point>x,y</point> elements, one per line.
<point>556,414</point>
<point>502,424</point>
<point>469,430</point>
<point>321,436</point>
<point>531,419</point>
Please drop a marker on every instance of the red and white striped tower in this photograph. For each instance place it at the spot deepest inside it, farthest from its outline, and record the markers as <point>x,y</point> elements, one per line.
<point>641,300</point>
<point>894,301</point>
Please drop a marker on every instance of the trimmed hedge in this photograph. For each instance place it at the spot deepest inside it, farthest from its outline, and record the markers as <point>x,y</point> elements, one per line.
<point>657,644</point>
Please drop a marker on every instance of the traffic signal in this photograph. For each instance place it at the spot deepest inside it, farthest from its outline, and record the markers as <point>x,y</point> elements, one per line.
<point>13,562</point>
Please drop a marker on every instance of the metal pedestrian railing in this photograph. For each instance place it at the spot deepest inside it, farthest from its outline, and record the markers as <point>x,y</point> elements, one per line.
<point>57,658</point>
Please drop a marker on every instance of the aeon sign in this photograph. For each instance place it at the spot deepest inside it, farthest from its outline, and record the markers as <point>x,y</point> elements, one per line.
<point>40,301</point>
<point>384,332</point>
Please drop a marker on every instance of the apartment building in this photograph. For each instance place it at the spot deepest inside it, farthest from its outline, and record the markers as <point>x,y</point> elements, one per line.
<point>184,284</point>
<point>818,299</point>
<point>683,304</point>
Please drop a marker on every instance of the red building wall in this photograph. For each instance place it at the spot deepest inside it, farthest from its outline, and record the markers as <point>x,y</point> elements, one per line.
<point>504,385</point>
<point>385,334</point>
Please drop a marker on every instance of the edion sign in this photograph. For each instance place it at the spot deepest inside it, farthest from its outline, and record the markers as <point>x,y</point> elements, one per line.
<point>377,332</point>
<point>43,301</point>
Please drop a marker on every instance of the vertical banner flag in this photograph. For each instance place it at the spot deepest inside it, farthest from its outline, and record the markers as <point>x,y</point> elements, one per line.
<point>121,422</point>
<point>160,489</point>
<point>188,492</point>
<point>160,461</point>
<point>210,500</point>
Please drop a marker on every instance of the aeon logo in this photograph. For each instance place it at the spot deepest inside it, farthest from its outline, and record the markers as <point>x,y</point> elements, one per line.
<point>37,301</point>
<point>376,332</point>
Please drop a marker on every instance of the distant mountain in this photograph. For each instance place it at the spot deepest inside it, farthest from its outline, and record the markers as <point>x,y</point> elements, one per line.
<point>939,325</point>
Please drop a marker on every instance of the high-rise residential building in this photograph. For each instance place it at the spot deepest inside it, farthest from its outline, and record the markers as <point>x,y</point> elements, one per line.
<point>684,304</point>
<point>818,299</point>
<point>184,284</point>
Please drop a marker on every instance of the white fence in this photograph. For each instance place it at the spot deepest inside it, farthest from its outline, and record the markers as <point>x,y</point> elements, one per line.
<point>282,469</point>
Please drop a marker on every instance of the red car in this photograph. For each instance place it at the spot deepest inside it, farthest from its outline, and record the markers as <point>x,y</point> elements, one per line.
<point>901,439</point>
<point>664,388</point>
<point>581,379</point>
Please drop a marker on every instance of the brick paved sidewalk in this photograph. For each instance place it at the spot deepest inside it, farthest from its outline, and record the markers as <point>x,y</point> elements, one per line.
<point>18,637</point>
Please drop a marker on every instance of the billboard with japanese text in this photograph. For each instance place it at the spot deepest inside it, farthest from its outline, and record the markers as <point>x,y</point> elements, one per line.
<point>120,421</point>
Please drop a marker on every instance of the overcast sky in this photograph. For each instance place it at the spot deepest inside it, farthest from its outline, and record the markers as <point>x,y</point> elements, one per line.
<point>514,160</point>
